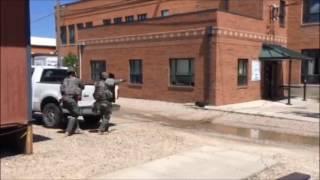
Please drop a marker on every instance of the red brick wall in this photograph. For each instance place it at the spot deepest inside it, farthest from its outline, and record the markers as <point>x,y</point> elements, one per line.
<point>155,57</point>
<point>173,23</point>
<point>300,36</point>
<point>252,8</point>
<point>226,62</point>
<point>226,50</point>
<point>97,10</point>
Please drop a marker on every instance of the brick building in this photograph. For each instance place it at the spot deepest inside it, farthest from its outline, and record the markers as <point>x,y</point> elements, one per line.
<point>202,50</point>
<point>303,36</point>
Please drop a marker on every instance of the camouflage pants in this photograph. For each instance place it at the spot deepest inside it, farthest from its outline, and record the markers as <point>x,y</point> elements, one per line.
<point>104,109</point>
<point>69,103</point>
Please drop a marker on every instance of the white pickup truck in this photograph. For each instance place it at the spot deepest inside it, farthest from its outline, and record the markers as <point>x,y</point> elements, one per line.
<point>46,83</point>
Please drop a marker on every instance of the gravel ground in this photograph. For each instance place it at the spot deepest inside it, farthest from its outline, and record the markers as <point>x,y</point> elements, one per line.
<point>135,140</point>
<point>87,154</point>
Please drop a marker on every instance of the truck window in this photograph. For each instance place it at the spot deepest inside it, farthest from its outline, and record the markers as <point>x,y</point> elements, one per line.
<point>53,75</point>
<point>32,70</point>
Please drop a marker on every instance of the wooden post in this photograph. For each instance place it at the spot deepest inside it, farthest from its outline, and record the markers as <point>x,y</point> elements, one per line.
<point>58,34</point>
<point>29,140</point>
<point>289,83</point>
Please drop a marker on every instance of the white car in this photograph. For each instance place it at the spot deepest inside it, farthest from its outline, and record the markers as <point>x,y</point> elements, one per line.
<point>46,81</point>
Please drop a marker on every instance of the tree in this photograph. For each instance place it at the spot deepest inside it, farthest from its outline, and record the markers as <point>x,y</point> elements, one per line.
<point>71,61</point>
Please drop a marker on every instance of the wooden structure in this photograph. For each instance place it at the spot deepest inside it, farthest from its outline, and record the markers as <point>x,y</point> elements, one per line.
<point>15,97</point>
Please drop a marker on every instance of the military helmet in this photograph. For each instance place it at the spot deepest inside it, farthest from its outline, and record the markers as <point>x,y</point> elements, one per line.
<point>71,71</point>
<point>104,75</point>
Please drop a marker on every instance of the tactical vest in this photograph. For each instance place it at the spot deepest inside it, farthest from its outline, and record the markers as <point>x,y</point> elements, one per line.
<point>71,86</point>
<point>101,92</point>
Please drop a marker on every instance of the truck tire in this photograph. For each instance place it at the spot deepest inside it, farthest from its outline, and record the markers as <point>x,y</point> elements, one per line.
<point>52,115</point>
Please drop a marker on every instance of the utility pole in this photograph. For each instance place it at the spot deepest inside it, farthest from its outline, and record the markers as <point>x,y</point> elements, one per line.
<point>58,34</point>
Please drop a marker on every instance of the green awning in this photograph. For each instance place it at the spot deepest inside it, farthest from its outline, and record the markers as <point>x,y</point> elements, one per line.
<point>279,53</point>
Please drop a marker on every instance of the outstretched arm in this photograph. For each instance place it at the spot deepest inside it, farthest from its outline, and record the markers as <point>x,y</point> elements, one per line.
<point>118,81</point>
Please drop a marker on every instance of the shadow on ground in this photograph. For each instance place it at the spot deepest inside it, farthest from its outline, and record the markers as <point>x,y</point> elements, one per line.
<point>307,114</point>
<point>40,138</point>
<point>9,147</point>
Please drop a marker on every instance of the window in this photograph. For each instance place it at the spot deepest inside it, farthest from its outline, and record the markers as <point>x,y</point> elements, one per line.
<point>71,34</point>
<point>117,20</point>
<point>106,22</point>
<point>165,13</point>
<point>242,72</point>
<point>63,34</point>
<point>80,26</point>
<point>226,5</point>
<point>53,75</point>
<point>311,68</point>
<point>142,17</point>
<point>311,11</point>
<point>181,72</point>
<point>97,67</point>
<point>282,13</point>
<point>136,71</point>
<point>89,25</point>
<point>129,19</point>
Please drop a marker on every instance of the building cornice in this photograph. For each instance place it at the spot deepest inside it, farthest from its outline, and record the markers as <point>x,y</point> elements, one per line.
<point>187,33</point>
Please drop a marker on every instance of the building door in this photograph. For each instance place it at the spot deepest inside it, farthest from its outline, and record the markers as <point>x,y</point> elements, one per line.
<point>271,80</point>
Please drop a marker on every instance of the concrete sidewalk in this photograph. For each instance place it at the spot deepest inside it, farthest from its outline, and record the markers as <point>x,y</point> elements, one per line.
<point>207,162</point>
<point>299,110</point>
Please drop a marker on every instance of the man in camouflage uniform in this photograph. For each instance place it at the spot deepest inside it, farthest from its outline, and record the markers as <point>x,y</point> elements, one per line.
<point>71,90</point>
<point>111,84</point>
<point>103,104</point>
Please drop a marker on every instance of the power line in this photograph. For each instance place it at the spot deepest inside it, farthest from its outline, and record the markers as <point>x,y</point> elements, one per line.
<point>43,17</point>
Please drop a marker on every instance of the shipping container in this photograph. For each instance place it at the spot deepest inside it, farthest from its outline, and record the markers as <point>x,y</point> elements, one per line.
<point>15,98</point>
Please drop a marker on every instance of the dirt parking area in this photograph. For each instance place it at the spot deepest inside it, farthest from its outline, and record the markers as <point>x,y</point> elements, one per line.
<point>134,140</point>
<point>84,155</point>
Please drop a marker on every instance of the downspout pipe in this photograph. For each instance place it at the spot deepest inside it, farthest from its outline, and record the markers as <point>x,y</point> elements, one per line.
<point>80,51</point>
<point>208,66</point>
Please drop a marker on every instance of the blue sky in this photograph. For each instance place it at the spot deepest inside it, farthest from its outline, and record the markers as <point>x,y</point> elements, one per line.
<point>42,17</point>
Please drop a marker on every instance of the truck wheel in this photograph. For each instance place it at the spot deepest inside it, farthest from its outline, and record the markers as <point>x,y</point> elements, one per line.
<point>52,115</point>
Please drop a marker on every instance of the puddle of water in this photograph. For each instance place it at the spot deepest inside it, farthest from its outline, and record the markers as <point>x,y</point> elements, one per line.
<point>206,125</point>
